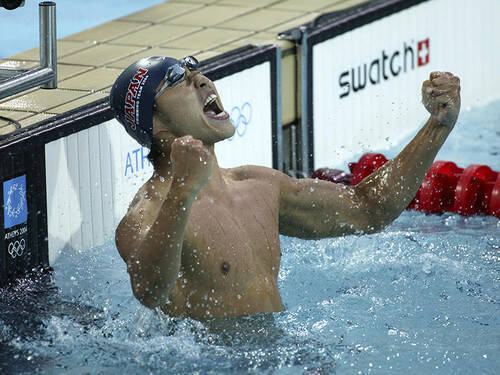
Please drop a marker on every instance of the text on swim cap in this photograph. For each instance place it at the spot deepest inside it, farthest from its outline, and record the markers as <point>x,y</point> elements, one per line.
<point>131,97</point>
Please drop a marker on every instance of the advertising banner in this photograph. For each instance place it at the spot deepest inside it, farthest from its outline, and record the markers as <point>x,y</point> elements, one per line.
<point>15,225</point>
<point>23,236</point>
<point>246,96</point>
<point>366,81</point>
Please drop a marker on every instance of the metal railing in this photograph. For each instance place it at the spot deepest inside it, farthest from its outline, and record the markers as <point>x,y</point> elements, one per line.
<point>45,75</point>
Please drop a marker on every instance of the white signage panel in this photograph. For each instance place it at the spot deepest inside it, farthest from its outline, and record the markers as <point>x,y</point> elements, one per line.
<point>367,82</point>
<point>91,178</point>
<point>246,96</point>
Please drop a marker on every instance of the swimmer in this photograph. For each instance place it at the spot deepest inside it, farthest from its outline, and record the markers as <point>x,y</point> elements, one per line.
<point>200,241</point>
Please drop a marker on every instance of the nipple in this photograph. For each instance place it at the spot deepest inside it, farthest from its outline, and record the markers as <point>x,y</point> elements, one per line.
<point>224,267</point>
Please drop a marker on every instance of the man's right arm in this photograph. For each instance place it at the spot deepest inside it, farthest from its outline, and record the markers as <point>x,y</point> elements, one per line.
<point>150,241</point>
<point>150,238</point>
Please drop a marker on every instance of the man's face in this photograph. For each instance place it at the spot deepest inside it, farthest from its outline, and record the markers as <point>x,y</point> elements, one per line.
<point>193,107</point>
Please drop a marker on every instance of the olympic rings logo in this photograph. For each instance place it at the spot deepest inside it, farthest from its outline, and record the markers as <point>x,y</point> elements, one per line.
<point>16,248</point>
<point>241,118</point>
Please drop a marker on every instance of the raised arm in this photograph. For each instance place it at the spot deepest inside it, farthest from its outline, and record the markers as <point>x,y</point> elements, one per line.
<point>314,209</point>
<point>150,236</point>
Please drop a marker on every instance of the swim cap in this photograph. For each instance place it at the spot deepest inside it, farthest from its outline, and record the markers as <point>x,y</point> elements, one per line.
<point>132,96</point>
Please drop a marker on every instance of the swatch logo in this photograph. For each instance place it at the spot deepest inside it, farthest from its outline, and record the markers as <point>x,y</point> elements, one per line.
<point>387,65</point>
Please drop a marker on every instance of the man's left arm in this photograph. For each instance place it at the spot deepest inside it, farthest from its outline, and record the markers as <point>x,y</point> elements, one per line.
<point>314,209</point>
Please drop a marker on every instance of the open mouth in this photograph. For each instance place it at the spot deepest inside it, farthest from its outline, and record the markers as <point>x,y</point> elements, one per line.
<point>212,109</point>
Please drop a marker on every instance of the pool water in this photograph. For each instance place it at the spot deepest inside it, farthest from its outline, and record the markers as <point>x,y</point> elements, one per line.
<point>421,297</point>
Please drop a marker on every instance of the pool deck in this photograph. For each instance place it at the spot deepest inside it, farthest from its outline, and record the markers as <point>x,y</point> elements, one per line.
<point>90,61</point>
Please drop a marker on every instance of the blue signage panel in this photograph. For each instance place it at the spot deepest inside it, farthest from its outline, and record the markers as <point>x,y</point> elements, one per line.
<point>14,201</point>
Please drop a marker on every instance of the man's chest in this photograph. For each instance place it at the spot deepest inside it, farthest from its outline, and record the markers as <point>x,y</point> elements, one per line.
<point>233,239</point>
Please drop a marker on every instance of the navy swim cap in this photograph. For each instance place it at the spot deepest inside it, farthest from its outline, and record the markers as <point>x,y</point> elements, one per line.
<point>132,96</point>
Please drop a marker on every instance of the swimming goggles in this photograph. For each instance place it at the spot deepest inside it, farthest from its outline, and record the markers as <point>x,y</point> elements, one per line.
<point>176,73</point>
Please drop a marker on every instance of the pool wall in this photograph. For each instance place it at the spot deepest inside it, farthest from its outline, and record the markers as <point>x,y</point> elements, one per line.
<point>68,180</point>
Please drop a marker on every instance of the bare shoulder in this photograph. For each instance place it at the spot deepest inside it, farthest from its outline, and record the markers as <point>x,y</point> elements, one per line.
<point>141,194</point>
<point>138,217</point>
<point>152,191</point>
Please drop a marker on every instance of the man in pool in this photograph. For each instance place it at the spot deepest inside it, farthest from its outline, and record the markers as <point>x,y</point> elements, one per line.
<point>200,241</point>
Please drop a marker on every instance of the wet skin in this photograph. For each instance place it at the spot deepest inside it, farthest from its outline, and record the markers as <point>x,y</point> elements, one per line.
<point>202,241</point>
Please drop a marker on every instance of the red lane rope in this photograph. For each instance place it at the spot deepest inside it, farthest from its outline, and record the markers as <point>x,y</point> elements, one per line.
<point>474,190</point>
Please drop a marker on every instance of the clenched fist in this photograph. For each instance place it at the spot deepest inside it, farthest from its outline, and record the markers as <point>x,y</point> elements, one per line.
<point>441,97</point>
<point>192,163</point>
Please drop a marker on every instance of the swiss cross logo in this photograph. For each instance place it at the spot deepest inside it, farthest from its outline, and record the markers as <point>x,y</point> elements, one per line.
<point>423,52</point>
